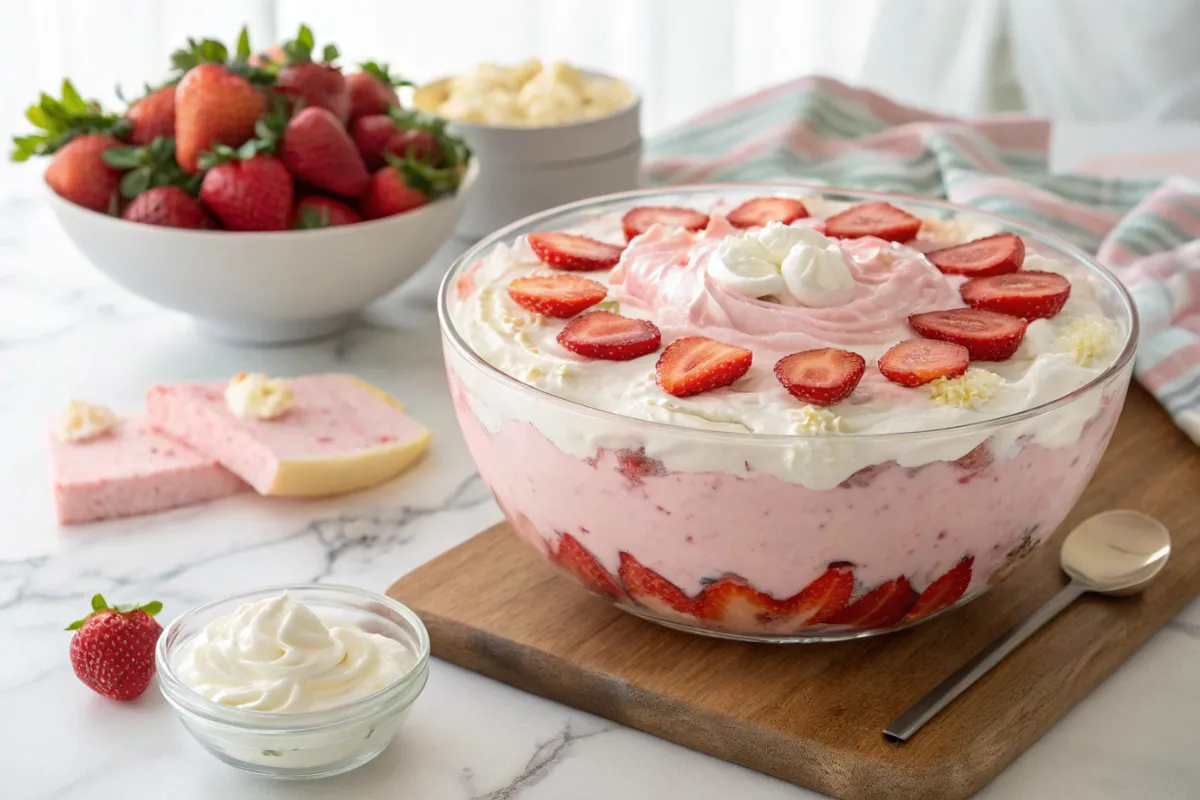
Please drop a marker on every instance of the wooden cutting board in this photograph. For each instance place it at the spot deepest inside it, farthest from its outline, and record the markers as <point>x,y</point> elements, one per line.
<point>813,714</point>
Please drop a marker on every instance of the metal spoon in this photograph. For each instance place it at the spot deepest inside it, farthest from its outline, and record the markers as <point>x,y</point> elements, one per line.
<point>1114,553</point>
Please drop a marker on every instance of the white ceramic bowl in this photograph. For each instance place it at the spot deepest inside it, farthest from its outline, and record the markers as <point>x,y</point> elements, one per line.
<point>270,287</point>
<point>526,169</point>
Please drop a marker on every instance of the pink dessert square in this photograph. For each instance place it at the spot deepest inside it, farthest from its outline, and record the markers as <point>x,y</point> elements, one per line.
<point>340,435</point>
<point>133,469</point>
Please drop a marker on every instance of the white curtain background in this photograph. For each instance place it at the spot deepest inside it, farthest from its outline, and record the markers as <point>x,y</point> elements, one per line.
<point>1111,60</point>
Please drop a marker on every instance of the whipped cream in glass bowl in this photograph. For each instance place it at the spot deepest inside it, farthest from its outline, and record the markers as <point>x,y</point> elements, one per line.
<point>733,506</point>
<point>294,682</point>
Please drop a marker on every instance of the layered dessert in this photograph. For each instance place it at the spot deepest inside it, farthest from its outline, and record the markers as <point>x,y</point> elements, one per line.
<point>784,417</point>
<point>105,467</point>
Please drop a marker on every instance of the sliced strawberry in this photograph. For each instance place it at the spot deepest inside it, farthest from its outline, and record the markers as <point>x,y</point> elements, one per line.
<point>559,296</point>
<point>652,590</point>
<point>638,220</point>
<point>882,607</point>
<point>696,364</point>
<point>612,337</point>
<point>1028,295</point>
<point>918,361</point>
<point>944,592</point>
<point>821,599</point>
<point>821,377</point>
<point>988,336</point>
<point>991,255</point>
<point>760,211</point>
<point>575,253</point>
<point>881,220</point>
<point>580,562</point>
<point>866,476</point>
<point>735,603</point>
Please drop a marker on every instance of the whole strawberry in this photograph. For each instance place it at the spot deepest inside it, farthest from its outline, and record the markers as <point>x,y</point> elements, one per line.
<point>112,650</point>
<point>390,192</point>
<point>315,211</point>
<point>247,195</point>
<point>371,135</point>
<point>316,84</point>
<point>80,174</point>
<point>169,206</point>
<point>213,106</point>
<point>153,116</point>
<point>317,150</point>
<point>371,90</point>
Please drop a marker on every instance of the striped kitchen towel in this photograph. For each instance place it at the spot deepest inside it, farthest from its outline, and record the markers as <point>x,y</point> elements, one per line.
<point>819,130</point>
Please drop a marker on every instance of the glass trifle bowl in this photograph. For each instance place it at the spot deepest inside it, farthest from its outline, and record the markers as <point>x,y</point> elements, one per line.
<point>756,509</point>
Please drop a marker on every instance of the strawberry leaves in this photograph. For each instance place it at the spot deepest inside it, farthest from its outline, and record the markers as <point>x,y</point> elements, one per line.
<point>61,120</point>
<point>100,605</point>
<point>380,73</point>
<point>150,166</point>
<point>213,51</point>
<point>300,49</point>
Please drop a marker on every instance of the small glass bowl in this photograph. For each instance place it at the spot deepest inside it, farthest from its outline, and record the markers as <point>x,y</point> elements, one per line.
<point>311,744</point>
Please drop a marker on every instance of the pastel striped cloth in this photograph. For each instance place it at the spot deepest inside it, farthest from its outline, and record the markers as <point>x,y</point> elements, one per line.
<point>819,130</point>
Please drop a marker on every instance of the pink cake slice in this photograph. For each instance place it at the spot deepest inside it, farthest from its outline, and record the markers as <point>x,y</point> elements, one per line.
<point>340,435</point>
<point>133,469</point>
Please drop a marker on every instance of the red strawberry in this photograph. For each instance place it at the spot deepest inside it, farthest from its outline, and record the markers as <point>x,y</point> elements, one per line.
<point>760,211</point>
<point>371,135</point>
<point>415,143</point>
<point>882,607</point>
<point>821,377</point>
<point>638,220</point>
<point>369,95</point>
<point>609,336</point>
<point>213,106</point>
<point>988,336</point>
<point>918,361</point>
<point>991,255</point>
<point>561,296</point>
<point>168,206</point>
<point>735,603</point>
<point>315,211</point>
<point>697,364</point>
<point>652,590</point>
<point>317,85</point>
<point>583,565</point>
<point>153,116</point>
<point>112,650</point>
<point>317,150</point>
<point>1029,295</point>
<point>251,195</point>
<point>821,599</point>
<point>571,252</point>
<point>635,465</point>
<point>388,193</point>
<point>944,592</point>
<point>80,175</point>
<point>881,220</point>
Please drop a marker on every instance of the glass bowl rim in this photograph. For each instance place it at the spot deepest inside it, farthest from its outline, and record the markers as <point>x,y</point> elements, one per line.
<point>184,698</point>
<point>794,188</point>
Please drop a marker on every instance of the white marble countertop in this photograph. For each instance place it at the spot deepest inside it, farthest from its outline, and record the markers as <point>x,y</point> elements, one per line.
<point>65,332</point>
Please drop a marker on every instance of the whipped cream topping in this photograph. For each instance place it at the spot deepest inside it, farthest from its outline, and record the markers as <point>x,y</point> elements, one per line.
<point>252,395</point>
<point>792,265</point>
<point>276,655</point>
<point>701,284</point>
<point>82,421</point>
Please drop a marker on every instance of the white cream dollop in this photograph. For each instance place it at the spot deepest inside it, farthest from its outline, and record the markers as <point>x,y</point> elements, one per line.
<point>971,390</point>
<point>276,655</point>
<point>252,395</point>
<point>83,421</point>
<point>796,266</point>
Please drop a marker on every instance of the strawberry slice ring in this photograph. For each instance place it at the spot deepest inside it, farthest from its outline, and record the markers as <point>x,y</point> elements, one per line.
<point>696,364</point>
<point>1027,294</point>
<point>569,251</point>
<point>761,211</point>
<point>878,219</point>
<point>991,255</point>
<point>987,335</point>
<point>916,362</point>
<point>821,377</point>
<point>638,220</point>
<point>610,337</point>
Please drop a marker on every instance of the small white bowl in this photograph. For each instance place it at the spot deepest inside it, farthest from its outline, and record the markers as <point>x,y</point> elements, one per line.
<point>265,287</point>
<point>526,169</point>
<point>311,744</point>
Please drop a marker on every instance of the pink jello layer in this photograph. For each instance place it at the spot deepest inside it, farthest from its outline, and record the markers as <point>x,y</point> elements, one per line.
<point>692,528</point>
<point>129,471</point>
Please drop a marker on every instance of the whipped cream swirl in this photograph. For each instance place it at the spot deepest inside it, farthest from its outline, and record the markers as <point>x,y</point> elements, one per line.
<point>255,396</point>
<point>795,266</point>
<point>276,655</point>
<point>83,421</point>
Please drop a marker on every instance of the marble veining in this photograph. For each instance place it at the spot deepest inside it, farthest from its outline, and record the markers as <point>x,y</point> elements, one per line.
<point>65,332</point>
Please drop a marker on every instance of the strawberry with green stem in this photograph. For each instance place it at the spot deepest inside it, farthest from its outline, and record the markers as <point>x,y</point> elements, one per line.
<point>149,166</point>
<point>319,84</point>
<point>317,211</point>
<point>112,650</point>
<point>372,90</point>
<point>246,189</point>
<point>61,120</point>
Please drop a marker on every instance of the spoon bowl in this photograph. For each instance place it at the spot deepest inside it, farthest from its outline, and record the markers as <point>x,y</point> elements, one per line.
<point>1117,552</point>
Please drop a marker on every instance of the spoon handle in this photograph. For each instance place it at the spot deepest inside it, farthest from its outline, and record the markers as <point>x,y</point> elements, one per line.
<point>928,706</point>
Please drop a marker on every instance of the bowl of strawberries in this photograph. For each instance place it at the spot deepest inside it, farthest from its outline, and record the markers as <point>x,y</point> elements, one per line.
<point>271,196</point>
